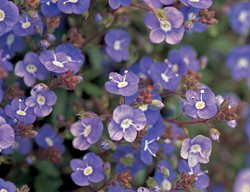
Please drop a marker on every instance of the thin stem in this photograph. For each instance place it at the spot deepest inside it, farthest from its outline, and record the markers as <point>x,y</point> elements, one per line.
<point>139,6</point>
<point>184,123</point>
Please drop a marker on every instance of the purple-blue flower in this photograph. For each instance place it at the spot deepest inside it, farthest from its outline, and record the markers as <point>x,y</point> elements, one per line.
<point>8,16</point>
<point>27,25</point>
<point>242,182</point>
<point>124,85</point>
<point>165,75</point>
<point>42,103</point>
<point>202,179</point>
<point>189,57</point>
<point>88,170</point>
<point>20,145</point>
<point>164,175</point>
<point>75,57</point>
<point>87,132</point>
<point>149,147</point>
<point>238,62</point>
<point>7,186</point>
<point>49,8</point>
<point>73,6</point>
<point>127,159</point>
<point>176,60</point>
<point>115,4</point>
<point>201,4</point>
<point>57,62</point>
<point>11,43</point>
<point>17,109</point>
<point>200,104</point>
<point>191,17</point>
<point>196,150</point>
<point>7,134</point>
<point>240,18</point>
<point>143,67</point>
<point>125,123</point>
<point>48,138</point>
<point>31,69</point>
<point>117,44</point>
<point>167,25</point>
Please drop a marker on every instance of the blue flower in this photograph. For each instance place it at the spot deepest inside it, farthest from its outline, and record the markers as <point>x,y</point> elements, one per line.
<point>88,170</point>
<point>7,186</point>
<point>31,69</point>
<point>8,16</point>
<point>48,138</point>
<point>115,4</point>
<point>42,103</point>
<point>239,18</point>
<point>27,25</point>
<point>196,150</point>
<point>117,43</point>
<point>124,85</point>
<point>238,61</point>
<point>165,76</point>
<point>74,6</point>
<point>49,8</point>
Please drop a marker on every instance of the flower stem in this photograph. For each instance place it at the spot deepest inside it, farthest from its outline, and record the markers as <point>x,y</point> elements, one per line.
<point>140,6</point>
<point>184,123</point>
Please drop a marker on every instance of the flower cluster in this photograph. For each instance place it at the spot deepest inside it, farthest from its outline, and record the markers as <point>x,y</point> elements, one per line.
<point>145,118</point>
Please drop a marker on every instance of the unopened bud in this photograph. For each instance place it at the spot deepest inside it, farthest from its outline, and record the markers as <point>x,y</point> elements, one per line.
<point>164,170</point>
<point>157,104</point>
<point>214,134</point>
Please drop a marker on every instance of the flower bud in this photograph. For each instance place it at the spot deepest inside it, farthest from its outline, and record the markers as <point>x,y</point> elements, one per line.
<point>157,104</point>
<point>164,170</point>
<point>214,134</point>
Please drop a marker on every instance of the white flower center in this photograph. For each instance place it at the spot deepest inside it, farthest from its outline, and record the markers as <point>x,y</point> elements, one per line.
<point>58,64</point>
<point>143,107</point>
<point>245,187</point>
<point>3,190</point>
<point>41,100</point>
<point>126,123</point>
<point>31,68</point>
<point>2,15</point>
<point>196,148</point>
<point>195,1</point>
<point>49,141</point>
<point>199,105</point>
<point>87,131</point>
<point>117,45</point>
<point>165,25</point>
<point>243,16</point>
<point>166,185</point>
<point>243,63</point>
<point>175,68</point>
<point>88,170</point>
<point>21,112</point>
<point>165,77</point>
<point>122,84</point>
<point>26,25</point>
